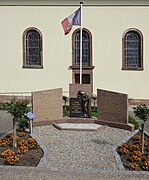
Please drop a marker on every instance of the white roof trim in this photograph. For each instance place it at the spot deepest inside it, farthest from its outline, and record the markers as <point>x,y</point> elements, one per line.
<point>74,2</point>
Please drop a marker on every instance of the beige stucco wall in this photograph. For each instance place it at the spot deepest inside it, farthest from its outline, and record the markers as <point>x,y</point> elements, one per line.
<point>107,25</point>
<point>107,40</point>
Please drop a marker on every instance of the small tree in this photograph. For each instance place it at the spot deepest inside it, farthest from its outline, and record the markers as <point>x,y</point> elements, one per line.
<point>17,108</point>
<point>142,112</point>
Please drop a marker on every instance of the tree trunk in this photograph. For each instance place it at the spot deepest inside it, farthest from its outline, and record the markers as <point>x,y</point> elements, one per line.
<point>142,136</point>
<point>14,133</point>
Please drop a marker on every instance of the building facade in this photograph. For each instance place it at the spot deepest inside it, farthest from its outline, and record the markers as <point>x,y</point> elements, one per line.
<point>36,55</point>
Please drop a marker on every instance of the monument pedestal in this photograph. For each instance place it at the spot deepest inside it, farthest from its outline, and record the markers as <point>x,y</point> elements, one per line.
<point>128,126</point>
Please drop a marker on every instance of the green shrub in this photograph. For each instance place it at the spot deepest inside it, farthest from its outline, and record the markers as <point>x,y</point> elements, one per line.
<point>93,114</point>
<point>3,105</point>
<point>65,110</point>
<point>23,122</point>
<point>94,111</point>
<point>67,107</point>
<point>17,108</point>
<point>131,120</point>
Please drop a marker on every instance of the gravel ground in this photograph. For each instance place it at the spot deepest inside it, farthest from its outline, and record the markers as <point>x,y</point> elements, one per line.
<point>79,151</point>
<point>75,155</point>
<point>5,123</point>
<point>46,174</point>
<point>72,155</point>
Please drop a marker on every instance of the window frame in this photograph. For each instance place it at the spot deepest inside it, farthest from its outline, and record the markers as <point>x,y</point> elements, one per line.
<point>124,67</point>
<point>73,47</point>
<point>24,49</point>
<point>85,69</point>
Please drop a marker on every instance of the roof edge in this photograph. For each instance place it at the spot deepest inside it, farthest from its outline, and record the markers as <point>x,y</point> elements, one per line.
<point>74,2</point>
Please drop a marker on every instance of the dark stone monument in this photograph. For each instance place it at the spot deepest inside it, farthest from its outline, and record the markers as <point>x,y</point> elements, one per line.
<point>80,106</point>
<point>75,107</point>
<point>85,101</point>
<point>86,92</point>
<point>112,109</point>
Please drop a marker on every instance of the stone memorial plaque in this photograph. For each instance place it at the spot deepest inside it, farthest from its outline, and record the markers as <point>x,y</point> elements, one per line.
<point>112,109</point>
<point>75,107</point>
<point>47,105</point>
<point>112,106</point>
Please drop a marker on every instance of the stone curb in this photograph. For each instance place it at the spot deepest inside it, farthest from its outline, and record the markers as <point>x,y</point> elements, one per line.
<point>43,159</point>
<point>118,159</point>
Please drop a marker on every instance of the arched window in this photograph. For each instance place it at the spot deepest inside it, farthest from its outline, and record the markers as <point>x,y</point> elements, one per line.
<point>87,67</point>
<point>32,48</point>
<point>86,48</point>
<point>132,50</point>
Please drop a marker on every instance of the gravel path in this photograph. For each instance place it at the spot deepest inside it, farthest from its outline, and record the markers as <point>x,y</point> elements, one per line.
<point>79,151</point>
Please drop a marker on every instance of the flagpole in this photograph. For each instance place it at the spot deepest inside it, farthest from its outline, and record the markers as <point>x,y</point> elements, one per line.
<point>81,3</point>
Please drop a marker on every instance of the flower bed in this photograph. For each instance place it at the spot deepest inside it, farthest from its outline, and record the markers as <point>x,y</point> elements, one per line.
<point>27,153</point>
<point>131,156</point>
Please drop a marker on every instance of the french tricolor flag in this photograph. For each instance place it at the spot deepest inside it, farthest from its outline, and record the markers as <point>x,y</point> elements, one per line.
<point>73,19</point>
